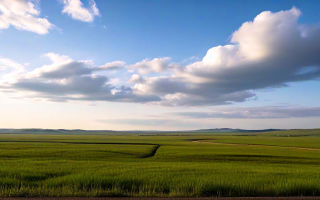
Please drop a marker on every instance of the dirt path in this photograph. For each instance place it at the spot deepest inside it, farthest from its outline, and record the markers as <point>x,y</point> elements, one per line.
<point>261,145</point>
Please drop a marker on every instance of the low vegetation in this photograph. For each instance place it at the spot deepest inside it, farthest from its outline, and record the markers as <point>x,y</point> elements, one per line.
<point>162,166</point>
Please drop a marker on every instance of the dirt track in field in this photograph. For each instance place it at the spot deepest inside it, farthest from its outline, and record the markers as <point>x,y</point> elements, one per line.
<point>261,145</point>
<point>151,198</point>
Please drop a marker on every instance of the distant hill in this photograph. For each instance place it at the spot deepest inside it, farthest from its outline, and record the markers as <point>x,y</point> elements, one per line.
<point>79,131</point>
<point>230,130</point>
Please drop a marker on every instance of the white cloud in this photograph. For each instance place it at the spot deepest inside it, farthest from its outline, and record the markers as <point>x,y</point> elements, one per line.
<point>115,65</point>
<point>6,63</point>
<point>66,79</point>
<point>23,15</point>
<point>188,60</point>
<point>258,39</point>
<point>147,66</point>
<point>136,78</point>
<point>56,58</point>
<point>114,81</point>
<point>268,52</point>
<point>9,71</point>
<point>62,67</point>
<point>94,8</point>
<point>75,9</point>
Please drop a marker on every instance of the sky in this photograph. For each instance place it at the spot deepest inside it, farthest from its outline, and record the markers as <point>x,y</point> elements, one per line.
<point>159,65</point>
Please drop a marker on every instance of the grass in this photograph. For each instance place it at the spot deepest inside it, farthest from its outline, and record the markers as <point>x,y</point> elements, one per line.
<point>160,166</point>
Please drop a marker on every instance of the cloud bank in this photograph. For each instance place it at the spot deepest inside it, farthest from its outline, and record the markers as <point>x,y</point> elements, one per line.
<point>150,122</point>
<point>66,79</point>
<point>267,112</point>
<point>23,15</point>
<point>268,52</point>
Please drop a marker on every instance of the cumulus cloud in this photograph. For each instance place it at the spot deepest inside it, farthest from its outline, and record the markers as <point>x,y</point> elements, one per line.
<point>62,67</point>
<point>269,51</point>
<point>147,66</point>
<point>66,79</point>
<point>9,70</point>
<point>255,112</point>
<point>136,78</point>
<point>77,11</point>
<point>56,58</point>
<point>22,15</point>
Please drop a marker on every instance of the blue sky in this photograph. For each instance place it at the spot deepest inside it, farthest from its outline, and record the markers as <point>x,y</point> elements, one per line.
<point>178,35</point>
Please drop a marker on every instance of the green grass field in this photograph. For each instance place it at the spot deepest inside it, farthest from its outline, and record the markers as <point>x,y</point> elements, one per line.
<point>162,166</point>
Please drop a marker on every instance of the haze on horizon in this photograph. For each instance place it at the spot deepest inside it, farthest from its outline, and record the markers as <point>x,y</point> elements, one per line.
<point>159,65</point>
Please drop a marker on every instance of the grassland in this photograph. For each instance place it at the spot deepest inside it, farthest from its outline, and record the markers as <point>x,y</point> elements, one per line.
<point>163,166</point>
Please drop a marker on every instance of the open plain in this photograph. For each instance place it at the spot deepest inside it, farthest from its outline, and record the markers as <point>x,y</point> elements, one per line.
<point>278,163</point>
